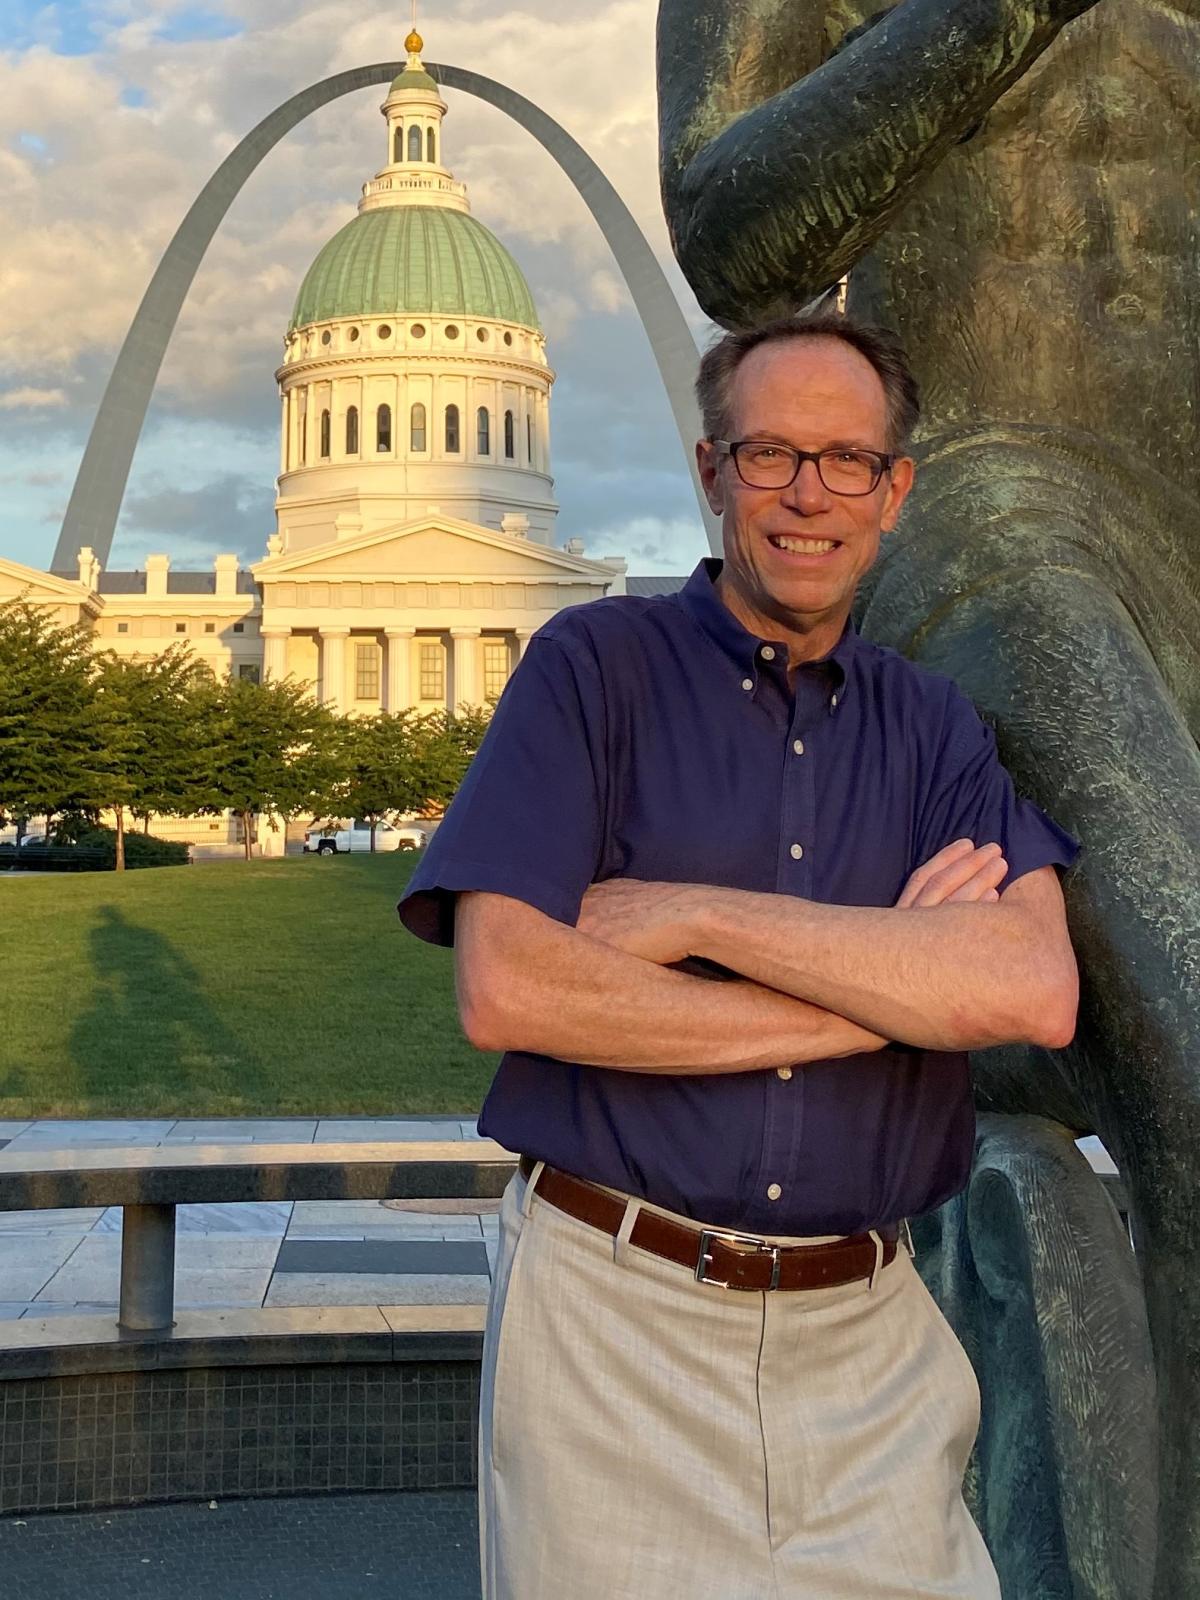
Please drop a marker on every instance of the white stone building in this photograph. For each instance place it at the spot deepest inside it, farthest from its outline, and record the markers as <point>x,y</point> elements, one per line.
<point>414,551</point>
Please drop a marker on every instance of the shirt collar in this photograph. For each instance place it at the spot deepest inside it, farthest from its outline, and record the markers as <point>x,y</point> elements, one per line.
<point>701,601</point>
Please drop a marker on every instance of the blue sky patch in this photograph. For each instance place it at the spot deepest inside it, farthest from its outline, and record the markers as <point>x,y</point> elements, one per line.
<point>68,27</point>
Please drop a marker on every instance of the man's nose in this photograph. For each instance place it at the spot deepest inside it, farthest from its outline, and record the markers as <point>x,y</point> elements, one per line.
<point>806,494</point>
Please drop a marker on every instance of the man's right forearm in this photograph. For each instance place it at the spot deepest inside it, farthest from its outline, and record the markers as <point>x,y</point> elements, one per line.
<point>526,982</point>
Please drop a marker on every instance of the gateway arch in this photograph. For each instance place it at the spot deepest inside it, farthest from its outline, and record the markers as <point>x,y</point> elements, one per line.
<point>95,502</point>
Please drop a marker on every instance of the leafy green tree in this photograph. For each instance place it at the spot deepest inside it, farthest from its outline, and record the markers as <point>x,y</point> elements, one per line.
<point>445,746</point>
<point>268,747</point>
<point>149,761</point>
<point>380,772</point>
<point>49,745</point>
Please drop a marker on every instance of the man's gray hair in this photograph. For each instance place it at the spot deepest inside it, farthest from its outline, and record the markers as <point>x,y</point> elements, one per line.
<point>881,348</point>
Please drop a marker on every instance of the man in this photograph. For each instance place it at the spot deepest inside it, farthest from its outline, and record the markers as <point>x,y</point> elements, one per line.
<point>710,1368</point>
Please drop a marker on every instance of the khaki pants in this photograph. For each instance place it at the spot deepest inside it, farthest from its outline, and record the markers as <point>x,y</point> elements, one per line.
<point>647,1437</point>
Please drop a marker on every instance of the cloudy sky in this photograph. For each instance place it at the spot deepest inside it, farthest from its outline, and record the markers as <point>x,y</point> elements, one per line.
<point>114,113</point>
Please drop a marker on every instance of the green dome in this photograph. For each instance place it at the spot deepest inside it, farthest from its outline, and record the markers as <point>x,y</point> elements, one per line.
<point>411,78</point>
<point>400,260</point>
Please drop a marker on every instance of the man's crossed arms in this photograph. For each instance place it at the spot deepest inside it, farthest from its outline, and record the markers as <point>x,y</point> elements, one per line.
<point>954,965</point>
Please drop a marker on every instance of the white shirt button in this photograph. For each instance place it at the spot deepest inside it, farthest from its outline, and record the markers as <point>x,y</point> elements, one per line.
<point>747,683</point>
<point>767,653</point>
<point>833,701</point>
<point>798,746</point>
<point>774,1191</point>
<point>783,1072</point>
<point>797,851</point>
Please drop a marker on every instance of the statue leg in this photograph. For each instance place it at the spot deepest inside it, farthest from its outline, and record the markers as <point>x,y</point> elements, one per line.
<point>1033,1268</point>
<point>1051,655</point>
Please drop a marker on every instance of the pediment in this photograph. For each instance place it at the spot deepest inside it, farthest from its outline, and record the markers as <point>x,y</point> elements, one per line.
<point>18,582</point>
<point>432,548</point>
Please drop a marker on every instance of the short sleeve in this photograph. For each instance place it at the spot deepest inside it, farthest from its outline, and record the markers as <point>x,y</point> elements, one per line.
<point>527,821</point>
<point>972,797</point>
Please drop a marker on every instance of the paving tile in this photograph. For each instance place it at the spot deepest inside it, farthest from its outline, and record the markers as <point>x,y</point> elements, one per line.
<point>69,1308</point>
<point>47,1251</point>
<point>10,1310</point>
<point>492,1246</point>
<point>10,1130</point>
<point>75,1219</point>
<point>427,1228</point>
<point>384,1130</point>
<point>265,1130</point>
<point>26,1283</point>
<point>393,1289</point>
<point>97,1131</point>
<point>374,1257</point>
<point>470,1130</point>
<point>267,1218</point>
<point>93,1272</point>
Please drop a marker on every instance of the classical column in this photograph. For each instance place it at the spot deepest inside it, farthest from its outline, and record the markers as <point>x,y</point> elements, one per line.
<point>275,652</point>
<point>523,637</point>
<point>399,668</point>
<point>333,668</point>
<point>466,648</point>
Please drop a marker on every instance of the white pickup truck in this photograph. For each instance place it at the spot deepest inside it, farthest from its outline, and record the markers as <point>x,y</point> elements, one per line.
<point>356,836</point>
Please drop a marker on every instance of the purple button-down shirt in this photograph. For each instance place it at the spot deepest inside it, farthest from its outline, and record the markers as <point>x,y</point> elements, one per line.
<point>658,739</point>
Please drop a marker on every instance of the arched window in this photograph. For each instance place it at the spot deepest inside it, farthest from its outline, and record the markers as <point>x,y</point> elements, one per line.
<point>452,444</point>
<point>414,143</point>
<point>430,146</point>
<point>325,436</point>
<point>398,147</point>
<point>352,431</point>
<point>483,432</point>
<point>383,428</point>
<point>510,443</point>
<point>416,427</point>
<point>529,439</point>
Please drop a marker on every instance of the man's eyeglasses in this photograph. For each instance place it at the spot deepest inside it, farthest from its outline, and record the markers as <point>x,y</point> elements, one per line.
<point>762,464</point>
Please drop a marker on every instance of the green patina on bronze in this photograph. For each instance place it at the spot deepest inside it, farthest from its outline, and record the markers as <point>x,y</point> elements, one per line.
<point>1016,187</point>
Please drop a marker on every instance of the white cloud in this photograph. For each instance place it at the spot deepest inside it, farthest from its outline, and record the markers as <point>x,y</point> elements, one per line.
<point>32,399</point>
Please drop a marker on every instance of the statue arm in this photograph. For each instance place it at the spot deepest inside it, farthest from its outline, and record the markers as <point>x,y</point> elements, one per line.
<point>772,178</point>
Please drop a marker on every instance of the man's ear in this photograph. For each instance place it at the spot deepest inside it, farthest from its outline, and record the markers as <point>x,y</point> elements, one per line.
<point>708,463</point>
<point>899,483</point>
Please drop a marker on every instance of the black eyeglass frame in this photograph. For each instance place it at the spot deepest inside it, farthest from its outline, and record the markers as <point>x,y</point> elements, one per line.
<point>730,448</point>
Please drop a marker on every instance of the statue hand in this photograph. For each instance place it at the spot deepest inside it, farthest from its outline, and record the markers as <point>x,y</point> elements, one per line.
<point>962,872</point>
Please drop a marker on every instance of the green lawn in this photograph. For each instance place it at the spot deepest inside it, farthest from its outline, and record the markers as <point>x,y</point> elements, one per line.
<point>227,989</point>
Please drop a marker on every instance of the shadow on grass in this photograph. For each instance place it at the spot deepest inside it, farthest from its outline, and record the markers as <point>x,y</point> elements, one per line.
<point>150,1035</point>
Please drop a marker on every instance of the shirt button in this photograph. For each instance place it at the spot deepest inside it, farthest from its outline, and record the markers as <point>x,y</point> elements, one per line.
<point>798,746</point>
<point>797,851</point>
<point>833,701</point>
<point>747,683</point>
<point>783,1072</point>
<point>774,1191</point>
<point>767,653</point>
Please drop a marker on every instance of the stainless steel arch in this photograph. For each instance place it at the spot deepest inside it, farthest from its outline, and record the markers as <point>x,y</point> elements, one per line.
<point>95,503</point>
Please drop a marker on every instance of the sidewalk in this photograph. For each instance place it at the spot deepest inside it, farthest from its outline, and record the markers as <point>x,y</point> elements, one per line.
<point>275,1253</point>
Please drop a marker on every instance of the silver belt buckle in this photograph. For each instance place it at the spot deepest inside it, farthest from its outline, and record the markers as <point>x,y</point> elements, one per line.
<point>707,1235</point>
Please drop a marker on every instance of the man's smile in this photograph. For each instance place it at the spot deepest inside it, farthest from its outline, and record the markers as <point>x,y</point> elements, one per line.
<point>803,551</point>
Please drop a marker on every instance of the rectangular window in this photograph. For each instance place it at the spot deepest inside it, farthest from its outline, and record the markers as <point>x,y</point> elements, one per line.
<point>122,627</point>
<point>181,627</point>
<point>433,670</point>
<point>210,627</point>
<point>239,627</point>
<point>366,672</point>
<point>495,668</point>
<point>248,672</point>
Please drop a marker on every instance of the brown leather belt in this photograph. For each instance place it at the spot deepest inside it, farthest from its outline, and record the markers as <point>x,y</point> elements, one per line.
<point>718,1255</point>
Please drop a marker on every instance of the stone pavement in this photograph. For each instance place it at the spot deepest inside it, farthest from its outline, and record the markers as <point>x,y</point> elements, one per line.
<point>284,1253</point>
<point>408,1546</point>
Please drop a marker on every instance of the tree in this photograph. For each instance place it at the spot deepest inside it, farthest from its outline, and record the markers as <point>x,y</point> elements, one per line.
<point>445,746</point>
<point>48,716</point>
<point>380,767</point>
<point>269,747</point>
<point>149,759</point>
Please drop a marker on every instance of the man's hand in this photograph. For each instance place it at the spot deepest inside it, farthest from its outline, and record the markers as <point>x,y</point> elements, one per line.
<point>650,920</point>
<point>961,872</point>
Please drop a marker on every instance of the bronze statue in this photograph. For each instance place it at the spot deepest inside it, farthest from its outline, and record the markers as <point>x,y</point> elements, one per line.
<point>1016,186</point>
